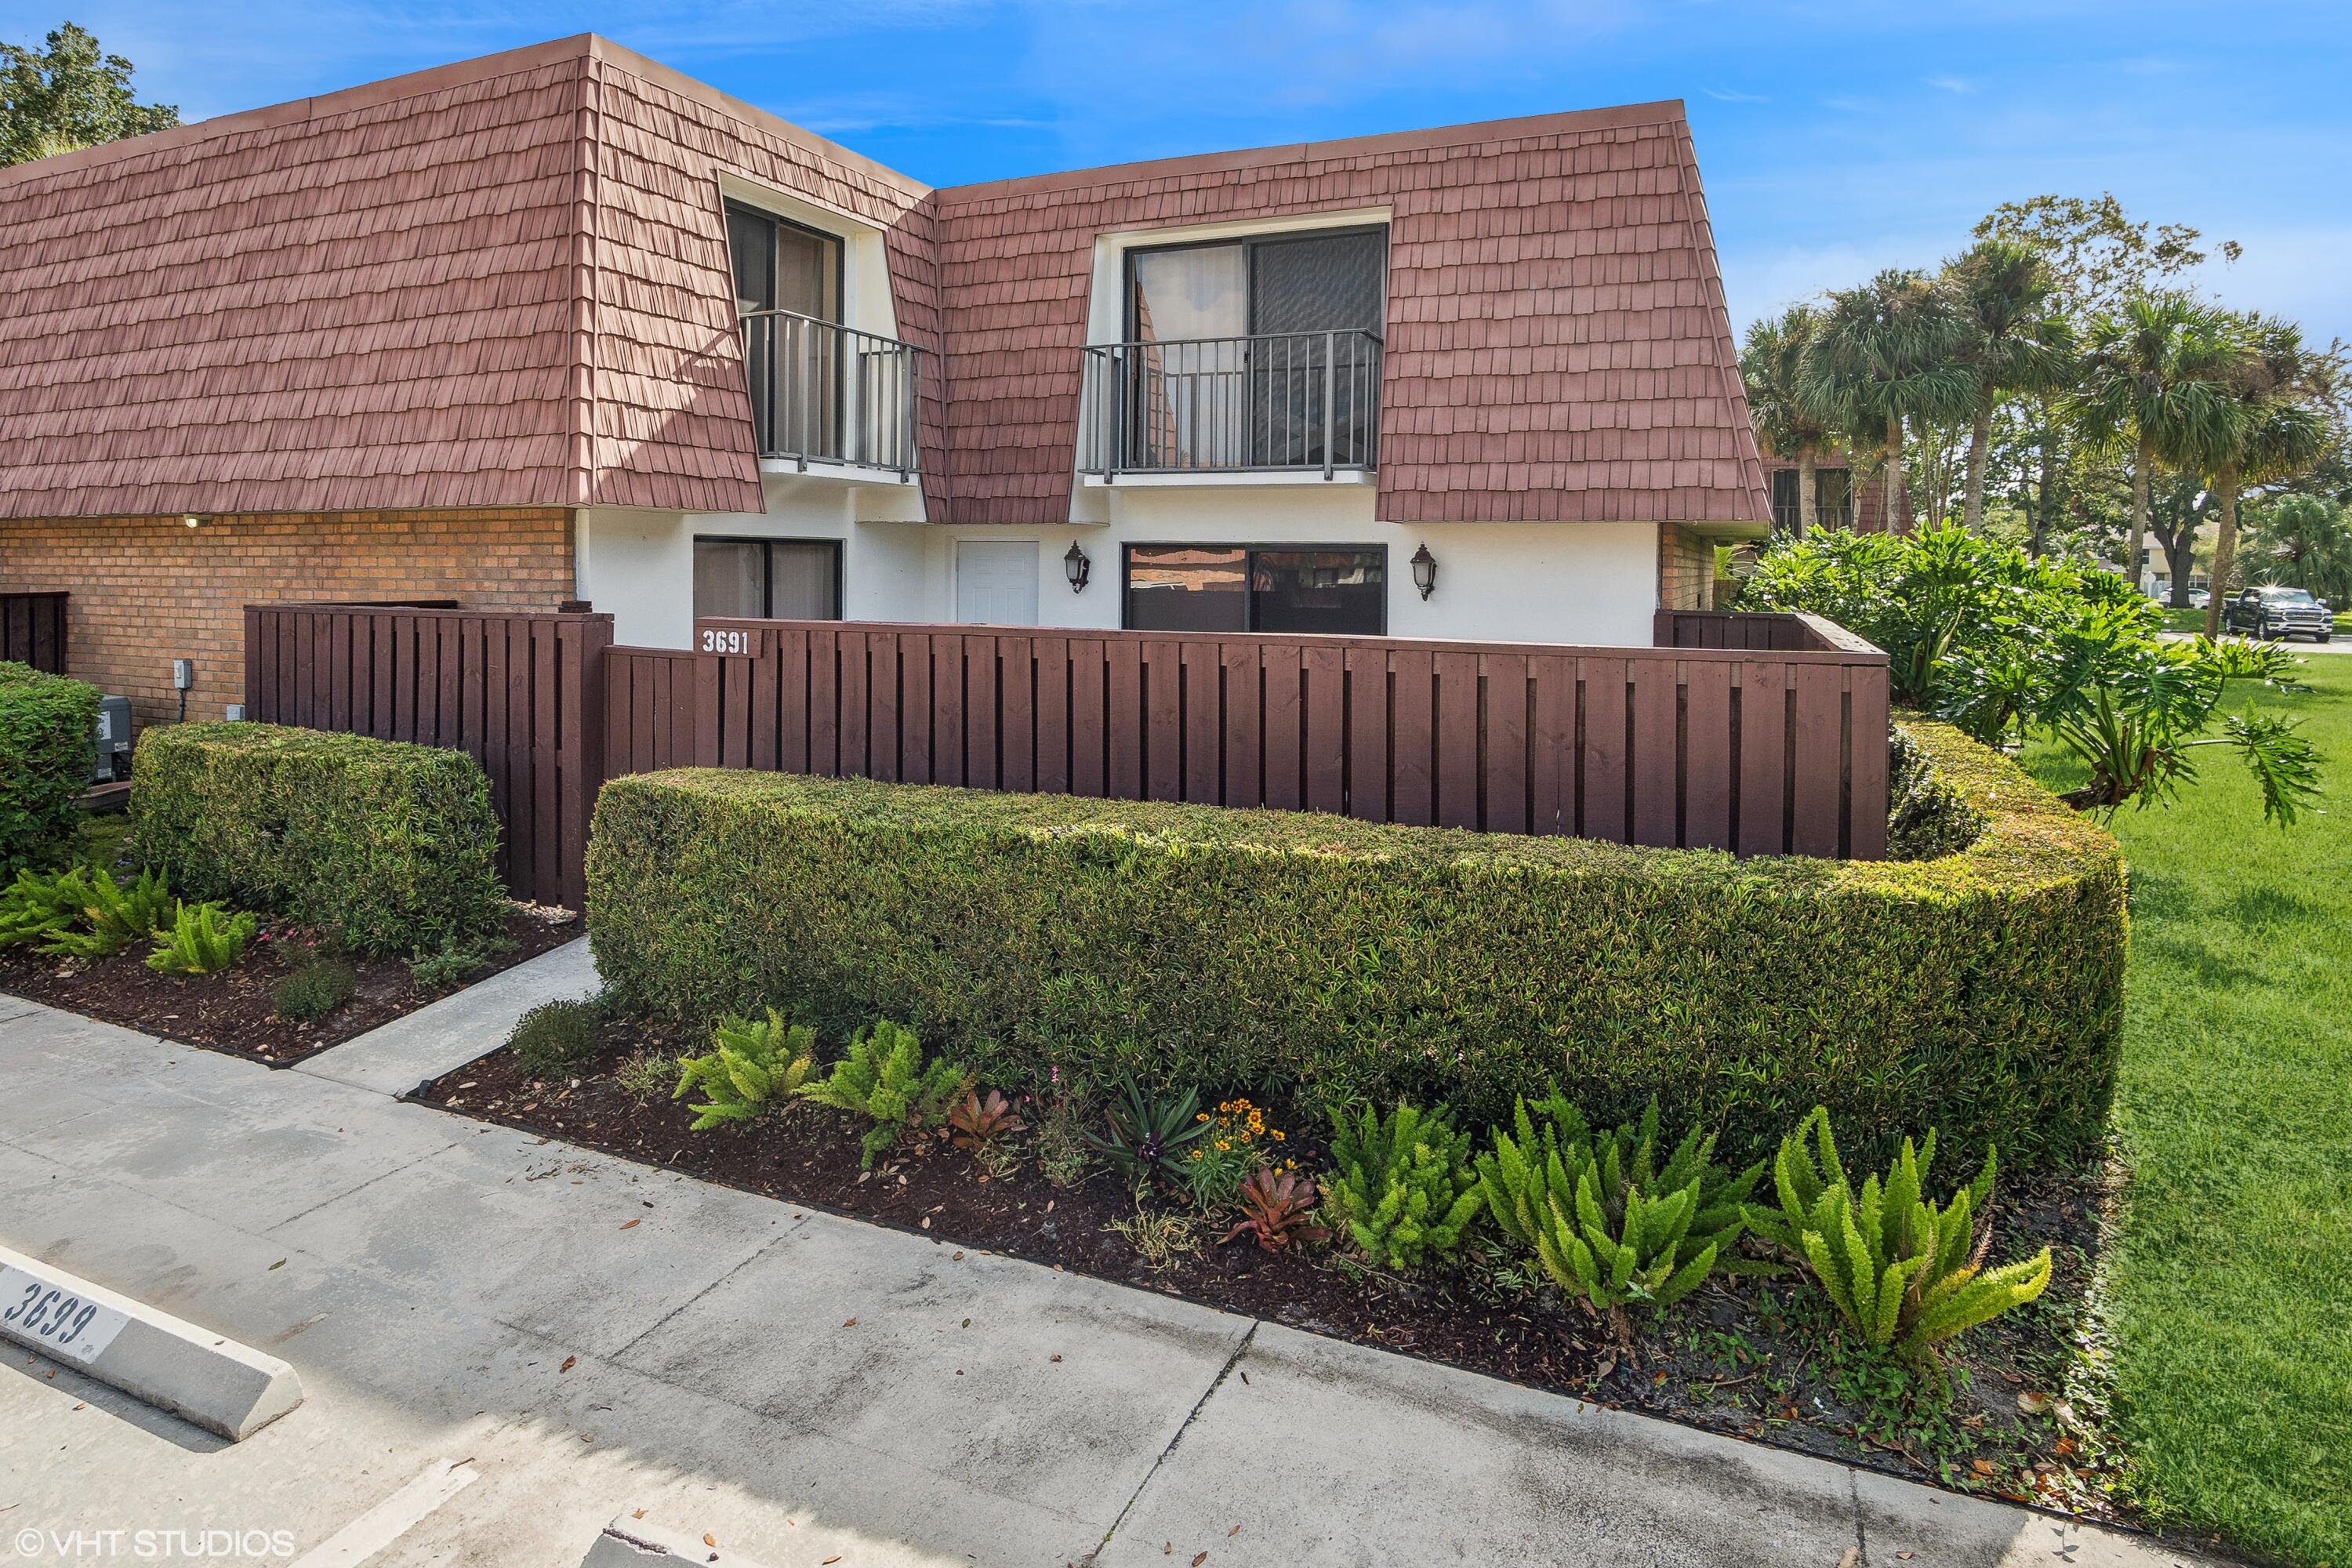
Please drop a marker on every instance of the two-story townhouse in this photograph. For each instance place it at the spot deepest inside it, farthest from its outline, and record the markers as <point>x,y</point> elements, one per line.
<point>562,324</point>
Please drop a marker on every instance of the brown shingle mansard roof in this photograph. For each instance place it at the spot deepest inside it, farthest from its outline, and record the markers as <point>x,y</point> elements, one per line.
<point>504,283</point>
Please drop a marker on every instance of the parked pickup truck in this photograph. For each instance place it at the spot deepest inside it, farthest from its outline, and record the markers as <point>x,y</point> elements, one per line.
<point>2269,612</point>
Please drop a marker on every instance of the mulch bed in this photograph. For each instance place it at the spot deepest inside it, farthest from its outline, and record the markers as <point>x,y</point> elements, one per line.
<point>232,1011</point>
<point>2021,1418</point>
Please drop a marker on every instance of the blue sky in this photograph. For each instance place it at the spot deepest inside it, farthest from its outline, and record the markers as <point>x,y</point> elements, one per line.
<point>1832,139</point>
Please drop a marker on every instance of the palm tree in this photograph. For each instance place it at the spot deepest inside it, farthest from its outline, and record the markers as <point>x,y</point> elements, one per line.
<point>2017,339</point>
<point>1887,351</point>
<point>2152,377</point>
<point>1769,363</point>
<point>2274,429</point>
<point>2308,544</point>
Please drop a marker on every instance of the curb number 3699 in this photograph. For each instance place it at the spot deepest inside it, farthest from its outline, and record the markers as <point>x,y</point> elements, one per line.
<point>57,1317</point>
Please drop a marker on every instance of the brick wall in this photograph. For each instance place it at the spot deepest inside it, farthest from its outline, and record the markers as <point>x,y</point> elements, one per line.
<point>148,590</point>
<point>1685,569</point>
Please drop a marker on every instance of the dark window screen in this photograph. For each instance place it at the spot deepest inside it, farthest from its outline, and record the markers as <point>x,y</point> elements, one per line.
<point>752,240</point>
<point>1317,283</point>
<point>1341,591</point>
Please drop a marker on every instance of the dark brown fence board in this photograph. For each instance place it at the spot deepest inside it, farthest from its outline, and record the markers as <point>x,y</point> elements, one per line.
<point>1601,792</point>
<point>1655,760</point>
<point>1369,751</point>
<point>1706,754</point>
<point>1412,783</point>
<point>1505,751</point>
<point>1820,718</point>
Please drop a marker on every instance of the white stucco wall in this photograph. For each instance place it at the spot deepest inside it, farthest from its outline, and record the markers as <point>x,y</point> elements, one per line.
<point>1563,583</point>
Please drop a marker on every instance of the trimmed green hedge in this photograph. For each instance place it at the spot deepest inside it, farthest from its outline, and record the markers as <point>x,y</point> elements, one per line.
<point>395,845</point>
<point>1981,993</point>
<point>48,727</point>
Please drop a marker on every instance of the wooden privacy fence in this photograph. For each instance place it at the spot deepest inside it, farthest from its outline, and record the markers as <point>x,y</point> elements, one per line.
<point>33,630</point>
<point>1762,748</point>
<point>522,694</point>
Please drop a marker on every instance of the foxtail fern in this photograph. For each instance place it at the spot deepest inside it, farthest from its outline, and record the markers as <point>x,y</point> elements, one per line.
<point>1901,1268</point>
<point>753,1063</point>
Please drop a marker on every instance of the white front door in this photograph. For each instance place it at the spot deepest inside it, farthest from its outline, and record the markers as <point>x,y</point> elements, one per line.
<point>996,581</point>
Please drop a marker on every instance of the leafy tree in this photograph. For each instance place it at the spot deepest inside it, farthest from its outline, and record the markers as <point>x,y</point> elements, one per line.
<point>1886,353</point>
<point>2275,428</point>
<point>1769,363</point>
<point>2305,542</point>
<point>2099,257</point>
<point>2016,339</point>
<point>68,96</point>
<point>2152,369</point>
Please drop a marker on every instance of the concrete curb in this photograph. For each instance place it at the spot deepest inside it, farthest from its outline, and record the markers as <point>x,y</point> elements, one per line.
<point>194,1373</point>
<point>632,1543</point>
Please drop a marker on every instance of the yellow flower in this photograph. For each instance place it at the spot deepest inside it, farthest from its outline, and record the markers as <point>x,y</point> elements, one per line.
<point>1278,1135</point>
<point>1202,1117</point>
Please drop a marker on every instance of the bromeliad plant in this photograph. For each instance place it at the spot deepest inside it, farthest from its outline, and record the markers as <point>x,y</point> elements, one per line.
<point>1149,1135</point>
<point>1606,1220</point>
<point>980,1125</point>
<point>1401,1186</point>
<point>204,940</point>
<point>1902,1269</point>
<point>1279,1207</point>
<point>886,1080</point>
<point>753,1063</point>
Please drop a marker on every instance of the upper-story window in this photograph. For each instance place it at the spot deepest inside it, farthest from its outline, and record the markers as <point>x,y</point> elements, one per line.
<point>1256,353</point>
<point>821,389</point>
<point>781,266</point>
<point>1233,289</point>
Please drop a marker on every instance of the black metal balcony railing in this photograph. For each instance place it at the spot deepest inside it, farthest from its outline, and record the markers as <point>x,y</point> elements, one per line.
<point>825,392</point>
<point>1277,402</point>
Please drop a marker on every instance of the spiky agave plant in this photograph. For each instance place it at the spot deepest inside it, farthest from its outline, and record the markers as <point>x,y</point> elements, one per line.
<point>1605,1217</point>
<point>1902,1269</point>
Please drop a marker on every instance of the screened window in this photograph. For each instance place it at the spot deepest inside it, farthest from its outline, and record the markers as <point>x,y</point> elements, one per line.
<point>1286,283</point>
<point>1832,499</point>
<point>768,579</point>
<point>1339,590</point>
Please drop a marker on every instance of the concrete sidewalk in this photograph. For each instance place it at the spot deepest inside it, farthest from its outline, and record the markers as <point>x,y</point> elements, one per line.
<point>593,1338</point>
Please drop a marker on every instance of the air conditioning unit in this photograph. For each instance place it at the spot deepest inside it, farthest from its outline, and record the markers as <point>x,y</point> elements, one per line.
<point>113,760</point>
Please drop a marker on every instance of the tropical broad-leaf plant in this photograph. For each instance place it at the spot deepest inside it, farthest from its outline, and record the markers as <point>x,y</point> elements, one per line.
<point>1935,596</point>
<point>2136,712</point>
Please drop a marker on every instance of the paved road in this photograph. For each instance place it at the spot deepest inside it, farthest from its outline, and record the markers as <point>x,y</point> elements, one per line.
<point>2299,645</point>
<point>588,1337</point>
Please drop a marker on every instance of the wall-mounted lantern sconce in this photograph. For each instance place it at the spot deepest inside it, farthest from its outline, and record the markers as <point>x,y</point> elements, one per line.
<point>1424,571</point>
<point>1077,568</point>
<point>192,519</point>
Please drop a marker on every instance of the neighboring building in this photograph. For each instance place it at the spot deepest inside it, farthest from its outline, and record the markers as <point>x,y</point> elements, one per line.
<point>561,324</point>
<point>1838,501</point>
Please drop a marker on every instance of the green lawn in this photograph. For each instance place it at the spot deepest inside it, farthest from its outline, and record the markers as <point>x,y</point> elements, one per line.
<point>2232,1279</point>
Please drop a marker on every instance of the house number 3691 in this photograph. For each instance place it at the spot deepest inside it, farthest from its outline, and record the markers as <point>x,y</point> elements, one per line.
<point>732,643</point>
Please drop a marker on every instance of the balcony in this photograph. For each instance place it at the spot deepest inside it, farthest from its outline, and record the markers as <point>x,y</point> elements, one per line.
<point>824,393</point>
<point>1279,405</point>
